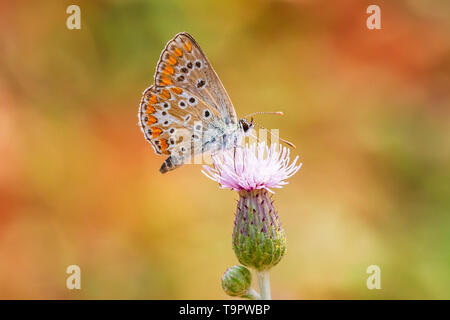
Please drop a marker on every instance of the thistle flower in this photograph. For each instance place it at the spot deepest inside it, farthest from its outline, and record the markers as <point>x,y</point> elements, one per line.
<point>253,167</point>
<point>259,241</point>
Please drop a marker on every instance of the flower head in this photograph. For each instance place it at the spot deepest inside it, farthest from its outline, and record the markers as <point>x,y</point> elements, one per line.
<point>259,241</point>
<point>236,281</point>
<point>253,167</point>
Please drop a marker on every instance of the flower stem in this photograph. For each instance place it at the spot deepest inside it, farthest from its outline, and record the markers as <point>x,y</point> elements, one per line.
<point>252,295</point>
<point>264,284</point>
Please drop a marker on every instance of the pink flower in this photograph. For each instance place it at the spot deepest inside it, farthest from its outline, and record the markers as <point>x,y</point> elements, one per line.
<point>252,167</point>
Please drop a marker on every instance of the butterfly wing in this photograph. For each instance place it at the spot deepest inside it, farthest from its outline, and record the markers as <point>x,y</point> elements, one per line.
<point>174,121</point>
<point>182,63</point>
<point>187,110</point>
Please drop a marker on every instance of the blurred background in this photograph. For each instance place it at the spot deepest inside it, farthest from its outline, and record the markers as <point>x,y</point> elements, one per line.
<point>367,109</point>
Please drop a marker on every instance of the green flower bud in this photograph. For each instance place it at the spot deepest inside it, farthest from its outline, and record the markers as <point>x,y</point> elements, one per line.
<point>236,281</point>
<point>259,241</point>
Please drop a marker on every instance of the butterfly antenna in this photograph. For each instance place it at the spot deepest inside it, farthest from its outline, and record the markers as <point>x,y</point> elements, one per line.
<point>279,113</point>
<point>290,144</point>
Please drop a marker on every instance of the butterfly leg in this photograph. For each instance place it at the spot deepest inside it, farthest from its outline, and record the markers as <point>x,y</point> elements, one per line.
<point>234,158</point>
<point>235,146</point>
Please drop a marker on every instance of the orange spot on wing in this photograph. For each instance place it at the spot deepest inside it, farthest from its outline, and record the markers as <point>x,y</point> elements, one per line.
<point>165,81</point>
<point>178,52</point>
<point>163,144</point>
<point>156,132</point>
<point>150,109</point>
<point>172,60</point>
<point>188,46</point>
<point>151,120</point>
<point>176,90</point>
<point>168,70</point>
<point>152,99</point>
<point>165,94</point>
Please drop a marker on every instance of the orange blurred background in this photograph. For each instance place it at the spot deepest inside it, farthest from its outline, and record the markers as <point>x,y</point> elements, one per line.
<point>367,109</point>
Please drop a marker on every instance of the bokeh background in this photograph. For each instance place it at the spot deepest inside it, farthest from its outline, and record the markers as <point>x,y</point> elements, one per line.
<point>367,109</point>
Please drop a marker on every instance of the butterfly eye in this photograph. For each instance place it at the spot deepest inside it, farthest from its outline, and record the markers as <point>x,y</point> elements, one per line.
<point>166,105</point>
<point>180,79</point>
<point>185,70</point>
<point>198,64</point>
<point>189,65</point>
<point>172,131</point>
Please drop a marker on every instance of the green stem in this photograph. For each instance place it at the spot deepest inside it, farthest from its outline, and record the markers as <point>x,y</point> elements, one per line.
<point>252,295</point>
<point>264,284</point>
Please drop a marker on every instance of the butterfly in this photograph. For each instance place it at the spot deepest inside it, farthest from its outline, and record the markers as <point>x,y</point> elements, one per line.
<point>187,111</point>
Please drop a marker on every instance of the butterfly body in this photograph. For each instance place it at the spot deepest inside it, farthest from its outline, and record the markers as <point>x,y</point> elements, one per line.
<point>215,139</point>
<point>187,110</point>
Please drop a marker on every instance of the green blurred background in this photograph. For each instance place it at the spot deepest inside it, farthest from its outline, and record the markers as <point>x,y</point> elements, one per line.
<point>367,109</point>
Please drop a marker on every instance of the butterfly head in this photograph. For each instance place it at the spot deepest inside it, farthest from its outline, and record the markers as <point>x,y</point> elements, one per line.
<point>245,125</point>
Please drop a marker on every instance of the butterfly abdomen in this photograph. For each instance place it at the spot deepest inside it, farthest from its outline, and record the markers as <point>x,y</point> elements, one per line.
<point>170,163</point>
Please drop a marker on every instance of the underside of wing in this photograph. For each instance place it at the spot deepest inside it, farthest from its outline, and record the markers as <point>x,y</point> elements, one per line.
<point>173,119</point>
<point>183,64</point>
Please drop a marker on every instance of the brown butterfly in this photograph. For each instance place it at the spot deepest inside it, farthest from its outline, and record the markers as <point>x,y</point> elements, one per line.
<point>187,110</point>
